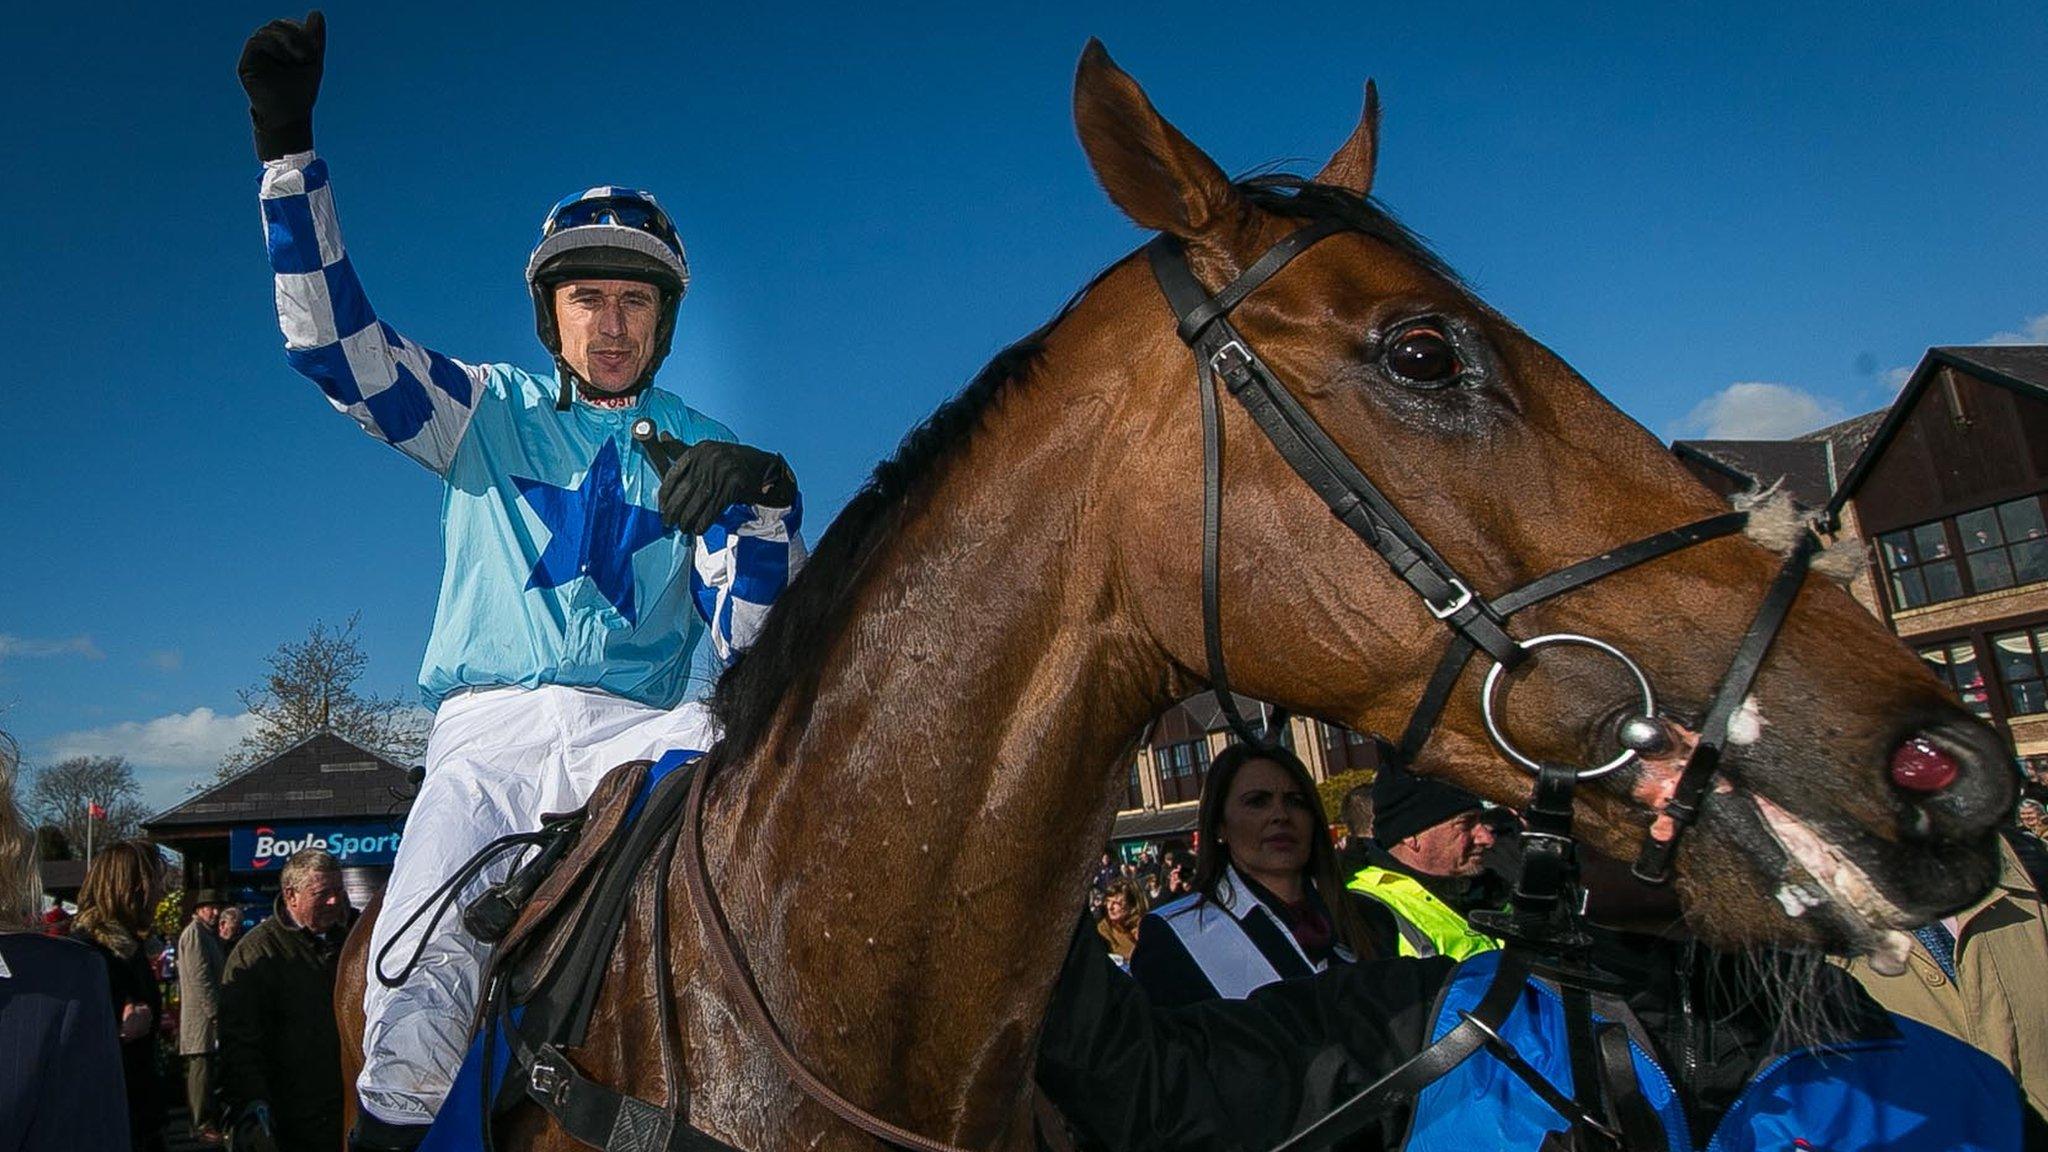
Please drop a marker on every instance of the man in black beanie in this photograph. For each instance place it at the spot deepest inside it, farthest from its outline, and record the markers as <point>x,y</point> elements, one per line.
<point>1426,850</point>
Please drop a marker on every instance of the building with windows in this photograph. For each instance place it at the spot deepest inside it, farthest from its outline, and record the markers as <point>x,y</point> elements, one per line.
<point>1166,776</point>
<point>1946,489</point>
<point>1949,496</point>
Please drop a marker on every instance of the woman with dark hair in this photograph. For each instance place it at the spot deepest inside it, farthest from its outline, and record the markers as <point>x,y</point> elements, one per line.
<point>116,915</point>
<point>1267,902</point>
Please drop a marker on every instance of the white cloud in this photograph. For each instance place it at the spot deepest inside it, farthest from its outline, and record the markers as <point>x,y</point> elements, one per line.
<point>165,660</point>
<point>1760,411</point>
<point>12,646</point>
<point>180,742</point>
<point>169,753</point>
<point>2033,330</point>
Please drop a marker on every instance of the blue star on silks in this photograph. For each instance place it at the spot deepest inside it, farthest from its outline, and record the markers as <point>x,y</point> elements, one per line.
<point>594,531</point>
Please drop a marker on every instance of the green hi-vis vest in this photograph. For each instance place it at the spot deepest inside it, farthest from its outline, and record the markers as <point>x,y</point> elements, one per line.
<point>1428,926</point>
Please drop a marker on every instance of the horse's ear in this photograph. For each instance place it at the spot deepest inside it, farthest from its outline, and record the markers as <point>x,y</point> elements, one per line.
<point>1351,168</point>
<point>1155,174</point>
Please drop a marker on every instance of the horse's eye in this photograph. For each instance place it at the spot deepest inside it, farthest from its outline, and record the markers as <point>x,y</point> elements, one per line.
<point>1422,355</point>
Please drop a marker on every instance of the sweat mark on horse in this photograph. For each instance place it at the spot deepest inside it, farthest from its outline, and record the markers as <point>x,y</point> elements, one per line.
<point>925,747</point>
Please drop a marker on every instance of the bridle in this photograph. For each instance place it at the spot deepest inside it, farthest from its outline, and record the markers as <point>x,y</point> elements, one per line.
<point>1541,932</point>
<point>1225,358</point>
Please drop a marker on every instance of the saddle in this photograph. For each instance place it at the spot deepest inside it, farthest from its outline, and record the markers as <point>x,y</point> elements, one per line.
<point>544,973</point>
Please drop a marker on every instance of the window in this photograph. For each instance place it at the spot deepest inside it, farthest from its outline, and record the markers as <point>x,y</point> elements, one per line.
<point>2000,547</point>
<point>2006,545</point>
<point>1957,665</point>
<point>1345,750</point>
<point>1921,564</point>
<point>2018,659</point>
<point>1134,793</point>
<point>1182,768</point>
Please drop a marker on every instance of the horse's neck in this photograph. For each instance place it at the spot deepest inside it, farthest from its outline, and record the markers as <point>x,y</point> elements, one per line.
<point>905,856</point>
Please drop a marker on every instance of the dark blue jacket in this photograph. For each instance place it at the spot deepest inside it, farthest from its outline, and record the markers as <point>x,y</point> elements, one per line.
<point>1902,1089</point>
<point>60,1059</point>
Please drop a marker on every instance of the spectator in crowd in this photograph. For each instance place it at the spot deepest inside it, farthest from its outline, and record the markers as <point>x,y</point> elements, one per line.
<point>1982,977</point>
<point>1179,865</point>
<point>60,1062</point>
<point>2034,818</point>
<point>1123,907</point>
<point>1105,872</point>
<point>116,916</point>
<point>1429,840</point>
<point>229,926</point>
<point>56,922</point>
<point>280,1050</point>
<point>1357,814</point>
<point>201,956</point>
<point>1267,901</point>
<point>2024,838</point>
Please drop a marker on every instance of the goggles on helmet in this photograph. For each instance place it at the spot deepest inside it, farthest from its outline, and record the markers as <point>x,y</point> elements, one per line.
<point>623,207</point>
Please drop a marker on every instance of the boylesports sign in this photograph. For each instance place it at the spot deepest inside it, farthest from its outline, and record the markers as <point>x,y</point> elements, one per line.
<point>265,847</point>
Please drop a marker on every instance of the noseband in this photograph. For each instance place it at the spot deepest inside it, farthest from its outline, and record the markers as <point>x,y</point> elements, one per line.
<point>1477,623</point>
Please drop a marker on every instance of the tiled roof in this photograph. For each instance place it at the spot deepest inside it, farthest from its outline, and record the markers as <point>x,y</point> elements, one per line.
<point>1848,438</point>
<point>1153,823</point>
<point>2020,365</point>
<point>323,777</point>
<point>1802,466</point>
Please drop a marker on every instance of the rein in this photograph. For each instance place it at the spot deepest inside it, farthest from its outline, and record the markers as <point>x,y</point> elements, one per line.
<point>733,971</point>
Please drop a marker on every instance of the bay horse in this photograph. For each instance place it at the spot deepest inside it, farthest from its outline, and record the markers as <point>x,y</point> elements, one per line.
<point>924,751</point>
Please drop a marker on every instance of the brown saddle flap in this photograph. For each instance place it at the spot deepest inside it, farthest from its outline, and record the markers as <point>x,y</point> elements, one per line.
<point>566,889</point>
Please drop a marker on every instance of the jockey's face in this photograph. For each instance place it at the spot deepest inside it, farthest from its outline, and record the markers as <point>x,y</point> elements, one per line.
<point>607,330</point>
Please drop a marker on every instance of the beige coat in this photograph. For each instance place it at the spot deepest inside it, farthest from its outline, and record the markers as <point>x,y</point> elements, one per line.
<point>201,956</point>
<point>1999,999</point>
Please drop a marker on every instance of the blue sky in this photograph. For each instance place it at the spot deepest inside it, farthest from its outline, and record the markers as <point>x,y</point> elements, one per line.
<point>1733,219</point>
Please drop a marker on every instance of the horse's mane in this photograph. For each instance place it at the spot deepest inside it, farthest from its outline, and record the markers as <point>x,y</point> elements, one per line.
<point>787,656</point>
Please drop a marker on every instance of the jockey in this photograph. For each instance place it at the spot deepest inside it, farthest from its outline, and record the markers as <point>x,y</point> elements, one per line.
<point>563,641</point>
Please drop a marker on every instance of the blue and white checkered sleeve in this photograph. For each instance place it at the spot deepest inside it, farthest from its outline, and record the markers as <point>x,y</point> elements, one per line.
<point>410,397</point>
<point>741,564</point>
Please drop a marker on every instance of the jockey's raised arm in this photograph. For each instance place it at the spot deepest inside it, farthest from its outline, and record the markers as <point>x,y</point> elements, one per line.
<point>578,578</point>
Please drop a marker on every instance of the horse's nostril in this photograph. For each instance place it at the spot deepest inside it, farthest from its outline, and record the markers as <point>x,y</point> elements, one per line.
<point>1919,766</point>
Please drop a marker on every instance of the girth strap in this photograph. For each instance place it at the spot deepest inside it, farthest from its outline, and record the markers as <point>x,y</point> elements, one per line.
<point>604,1118</point>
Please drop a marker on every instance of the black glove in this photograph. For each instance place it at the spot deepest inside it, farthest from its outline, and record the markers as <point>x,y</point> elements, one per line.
<point>280,69</point>
<point>712,475</point>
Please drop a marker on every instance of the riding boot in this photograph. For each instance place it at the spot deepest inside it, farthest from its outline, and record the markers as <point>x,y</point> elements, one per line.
<point>374,1135</point>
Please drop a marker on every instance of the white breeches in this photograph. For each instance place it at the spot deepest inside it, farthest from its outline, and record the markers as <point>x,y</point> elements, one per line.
<point>497,760</point>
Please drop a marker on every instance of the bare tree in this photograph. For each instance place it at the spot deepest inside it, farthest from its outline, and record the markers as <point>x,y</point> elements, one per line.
<point>311,688</point>
<point>65,794</point>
